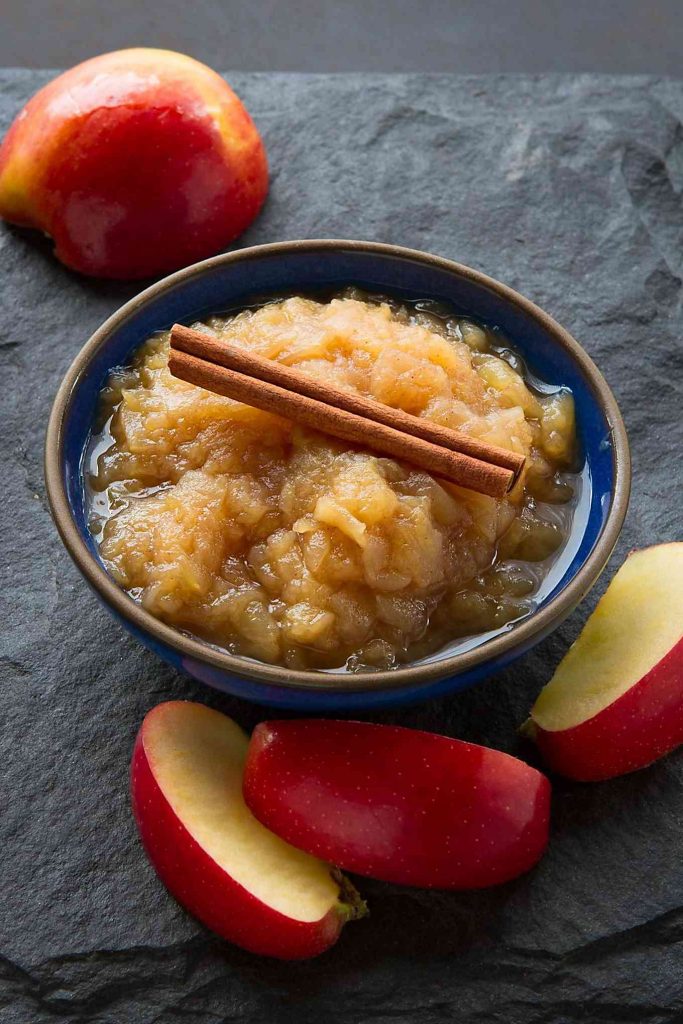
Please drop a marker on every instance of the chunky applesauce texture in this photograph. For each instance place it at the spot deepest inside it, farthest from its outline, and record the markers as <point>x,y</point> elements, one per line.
<point>290,547</point>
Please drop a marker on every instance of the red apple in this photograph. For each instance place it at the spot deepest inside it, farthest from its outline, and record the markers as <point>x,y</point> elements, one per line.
<point>398,804</point>
<point>218,861</point>
<point>136,163</point>
<point>615,703</point>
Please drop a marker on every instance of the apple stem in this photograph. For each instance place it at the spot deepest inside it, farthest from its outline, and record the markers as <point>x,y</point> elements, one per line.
<point>528,730</point>
<point>351,904</point>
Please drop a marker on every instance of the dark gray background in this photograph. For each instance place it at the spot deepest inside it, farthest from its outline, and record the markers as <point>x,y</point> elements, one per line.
<point>568,188</point>
<point>472,36</point>
<point>565,187</point>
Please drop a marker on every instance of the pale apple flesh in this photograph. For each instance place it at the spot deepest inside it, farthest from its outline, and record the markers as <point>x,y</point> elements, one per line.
<point>615,703</point>
<point>219,862</point>
<point>398,804</point>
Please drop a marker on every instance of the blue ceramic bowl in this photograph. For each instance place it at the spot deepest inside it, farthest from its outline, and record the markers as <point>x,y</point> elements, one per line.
<point>228,280</point>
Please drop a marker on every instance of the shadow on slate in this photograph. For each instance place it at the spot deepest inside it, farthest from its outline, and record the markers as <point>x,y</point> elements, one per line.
<point>568,188</point>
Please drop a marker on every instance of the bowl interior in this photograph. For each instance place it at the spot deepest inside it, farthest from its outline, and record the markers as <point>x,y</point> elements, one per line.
<point>226,283</point>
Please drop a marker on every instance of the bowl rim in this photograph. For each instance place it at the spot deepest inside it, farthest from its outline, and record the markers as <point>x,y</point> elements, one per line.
<point>410,675</point>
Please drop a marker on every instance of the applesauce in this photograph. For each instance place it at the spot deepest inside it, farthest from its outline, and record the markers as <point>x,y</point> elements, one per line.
<point>287,546</point>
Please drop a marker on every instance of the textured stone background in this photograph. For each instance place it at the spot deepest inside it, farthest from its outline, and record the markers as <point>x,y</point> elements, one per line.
<point>568,188</point>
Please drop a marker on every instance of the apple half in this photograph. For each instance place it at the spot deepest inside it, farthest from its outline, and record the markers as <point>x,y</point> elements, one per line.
<point>615,703</point>
<point>135,162</point>
<point>219,862</point>
<point>398,804</point>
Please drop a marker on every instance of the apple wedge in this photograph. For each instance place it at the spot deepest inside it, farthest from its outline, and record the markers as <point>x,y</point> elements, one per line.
<point>238,878</point>
<point>615,703</point>
<point>398,804</point>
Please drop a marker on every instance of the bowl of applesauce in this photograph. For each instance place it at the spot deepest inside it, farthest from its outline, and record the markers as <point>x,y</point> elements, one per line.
<point>290,568</point>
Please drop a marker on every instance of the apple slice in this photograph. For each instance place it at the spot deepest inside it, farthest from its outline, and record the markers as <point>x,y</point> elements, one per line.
<point>218,861</point>
<point>615,703</point>
<point>398,804</point>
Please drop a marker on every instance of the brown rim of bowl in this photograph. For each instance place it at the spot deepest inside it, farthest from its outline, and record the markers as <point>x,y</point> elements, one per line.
<point>315,679</point>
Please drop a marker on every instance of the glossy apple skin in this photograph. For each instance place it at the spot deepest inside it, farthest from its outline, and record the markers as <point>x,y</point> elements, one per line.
<point>398,804</point>
<point>642,725</point>
<point>206,890</point>
<point>136,163</point>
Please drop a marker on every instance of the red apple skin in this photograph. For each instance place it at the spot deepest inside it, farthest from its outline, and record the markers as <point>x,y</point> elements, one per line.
<point>398,804</point>
<point>136,163</point>
<point>203,888</point>
<point>639,727</point>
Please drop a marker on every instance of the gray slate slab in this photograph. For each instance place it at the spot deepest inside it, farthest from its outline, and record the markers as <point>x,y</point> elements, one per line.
<point>567,188</point>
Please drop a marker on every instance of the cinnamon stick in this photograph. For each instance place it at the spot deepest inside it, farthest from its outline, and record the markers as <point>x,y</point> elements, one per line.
<point>473,473</point>
<point>203,346</point>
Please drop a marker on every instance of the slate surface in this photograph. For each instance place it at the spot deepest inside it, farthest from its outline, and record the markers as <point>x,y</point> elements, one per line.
<point>568,188</point>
